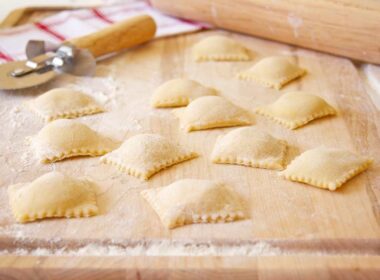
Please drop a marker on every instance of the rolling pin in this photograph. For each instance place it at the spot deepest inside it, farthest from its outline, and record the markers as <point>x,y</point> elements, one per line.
<point>349,28</point>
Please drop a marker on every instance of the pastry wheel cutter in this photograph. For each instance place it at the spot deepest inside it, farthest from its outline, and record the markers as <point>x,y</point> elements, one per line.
<point>76,56</point>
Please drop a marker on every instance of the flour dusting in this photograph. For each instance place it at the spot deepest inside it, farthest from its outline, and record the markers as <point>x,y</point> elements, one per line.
<point>295,22</point>
<point>103,88</point>
<point>158,248</point>
<point>372,74</point>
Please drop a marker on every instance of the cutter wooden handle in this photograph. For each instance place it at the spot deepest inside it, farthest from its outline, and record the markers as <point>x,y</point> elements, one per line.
<point>121,35</point>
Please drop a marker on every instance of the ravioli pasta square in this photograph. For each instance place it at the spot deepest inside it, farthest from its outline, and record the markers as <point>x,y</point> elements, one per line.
<point>326,168</point>
<point>53,195</point>
<point>191,201</point>
<point>64,138</point>
<point>295,109</point>
<point>62,103</point>
<point>273,72</point>
<point>144,155</point>
<point>250,146</point>
<point>179,92</point>
<point>220,48</point>
<point>212,112</point>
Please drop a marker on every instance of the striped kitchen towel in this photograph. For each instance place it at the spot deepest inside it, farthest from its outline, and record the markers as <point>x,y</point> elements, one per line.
<point>75,23</point>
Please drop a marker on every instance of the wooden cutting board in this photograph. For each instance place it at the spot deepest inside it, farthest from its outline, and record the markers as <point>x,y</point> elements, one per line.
<point>293,230</point>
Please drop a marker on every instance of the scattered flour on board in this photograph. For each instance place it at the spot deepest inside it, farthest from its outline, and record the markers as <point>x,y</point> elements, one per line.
<point>104,88</point>
<point>21,123</point>
<point>158,248</point>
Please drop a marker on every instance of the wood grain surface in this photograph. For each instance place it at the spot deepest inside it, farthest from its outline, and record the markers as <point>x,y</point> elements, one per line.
<point>254,268</point>
<point>122,35</point>
<point>312,232</point>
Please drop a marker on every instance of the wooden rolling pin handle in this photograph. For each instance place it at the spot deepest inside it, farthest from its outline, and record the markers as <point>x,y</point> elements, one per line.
<point>121,35</point>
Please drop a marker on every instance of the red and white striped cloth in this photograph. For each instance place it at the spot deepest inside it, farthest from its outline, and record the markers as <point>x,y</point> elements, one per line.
<point>75,23</point>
